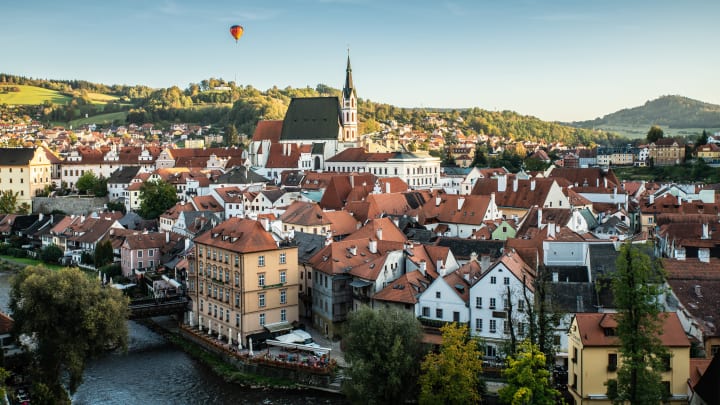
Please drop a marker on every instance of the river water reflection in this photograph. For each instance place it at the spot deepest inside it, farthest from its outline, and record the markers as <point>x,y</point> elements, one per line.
<point>155,372</point>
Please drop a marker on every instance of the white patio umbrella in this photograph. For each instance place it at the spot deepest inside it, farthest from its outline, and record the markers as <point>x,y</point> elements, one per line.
<point>239,341</point>
<point>250,347</point>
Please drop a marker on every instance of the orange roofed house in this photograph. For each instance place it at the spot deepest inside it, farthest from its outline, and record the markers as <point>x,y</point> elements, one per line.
<point>594,348</point>
<point>241,280</point>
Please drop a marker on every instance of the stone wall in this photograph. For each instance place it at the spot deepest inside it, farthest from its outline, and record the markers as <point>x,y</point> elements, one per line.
<point>69,204</point>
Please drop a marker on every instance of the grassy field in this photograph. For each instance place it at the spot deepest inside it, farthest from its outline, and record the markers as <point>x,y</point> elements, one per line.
<point>100,119</point>
<point>102,98</point>
<point>30,262</point>
<point>32,95</point>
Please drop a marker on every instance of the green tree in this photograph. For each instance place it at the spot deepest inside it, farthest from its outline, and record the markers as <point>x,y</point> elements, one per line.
<point>51,254</point>
<point>528,379</point>
<point>654,134</point>
<point>703,140</point>
<point>231,135</point>
<point>86,182</point>
<point>384,350</point>
<point>452,376</point>
<point>635,287</point>
<point>103,253</point>
<point>156,197</point>
<point>100,187</point>
<point>8,202</point>
<point>71,319</point>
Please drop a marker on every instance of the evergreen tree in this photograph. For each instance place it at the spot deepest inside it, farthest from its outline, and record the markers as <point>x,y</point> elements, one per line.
<point>635,286</point>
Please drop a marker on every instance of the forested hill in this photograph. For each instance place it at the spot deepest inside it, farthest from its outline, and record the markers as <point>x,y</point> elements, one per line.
<point>666,111</point>
<point>224,104</point>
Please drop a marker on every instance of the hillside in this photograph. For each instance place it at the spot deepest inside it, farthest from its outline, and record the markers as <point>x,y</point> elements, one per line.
<point>19,94</point>
<point>77,102</point>
<point>667,111</point>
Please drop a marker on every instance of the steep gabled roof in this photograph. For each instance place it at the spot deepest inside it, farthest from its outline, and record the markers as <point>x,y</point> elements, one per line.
<point>404,290</point>
<point>312,118</point>
<point>268,130</point>
<point>387,227</point>
<point>304,213</point>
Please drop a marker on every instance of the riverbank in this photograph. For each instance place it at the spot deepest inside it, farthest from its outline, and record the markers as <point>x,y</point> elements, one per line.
<point>234,368</point>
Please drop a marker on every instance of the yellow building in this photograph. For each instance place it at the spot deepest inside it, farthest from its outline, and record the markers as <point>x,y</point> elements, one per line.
<point>24,171</point>
<point>241,281</point>
<point>593,348</point>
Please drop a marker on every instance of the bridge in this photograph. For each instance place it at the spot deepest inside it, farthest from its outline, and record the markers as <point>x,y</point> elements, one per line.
<point>149,307</point>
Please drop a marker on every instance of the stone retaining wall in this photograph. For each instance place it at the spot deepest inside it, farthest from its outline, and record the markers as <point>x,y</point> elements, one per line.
<point>246,366</point>
<point>70,205</point>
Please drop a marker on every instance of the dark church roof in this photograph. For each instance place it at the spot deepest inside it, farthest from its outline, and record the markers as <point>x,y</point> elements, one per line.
<point>16,156</point>
<point>316,118</point>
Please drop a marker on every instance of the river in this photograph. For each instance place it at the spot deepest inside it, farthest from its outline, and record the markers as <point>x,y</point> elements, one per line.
<point>153,371</point>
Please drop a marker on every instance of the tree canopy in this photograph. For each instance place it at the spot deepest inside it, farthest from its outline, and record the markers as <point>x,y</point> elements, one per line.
<point>452,376</point>
<point>384,349</point>
<point>528,379</point>
<point>8,202</point>
<point>70,318</point>
<point>635,287</point>
<point>654,134</point>
<point>156,197</point>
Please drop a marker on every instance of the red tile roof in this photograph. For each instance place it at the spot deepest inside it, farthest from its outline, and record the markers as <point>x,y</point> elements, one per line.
<point>404,290</point>
<point>592,333</point>
<point>238,235</point>
<point>268,130</point>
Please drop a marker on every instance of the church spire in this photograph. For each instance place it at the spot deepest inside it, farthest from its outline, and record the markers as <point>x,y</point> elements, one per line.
<point>348,109</point>
<point>349,88</point>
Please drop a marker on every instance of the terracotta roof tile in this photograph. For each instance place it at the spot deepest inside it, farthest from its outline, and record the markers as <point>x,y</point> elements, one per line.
<point>592,333</point>
<point>268,130</point>
<point>239,235</point>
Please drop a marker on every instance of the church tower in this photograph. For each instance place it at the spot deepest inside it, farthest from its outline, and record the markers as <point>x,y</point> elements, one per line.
<point>349,107</point>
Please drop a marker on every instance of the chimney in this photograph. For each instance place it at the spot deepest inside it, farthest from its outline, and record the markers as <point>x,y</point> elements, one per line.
<point>502,183</point>
<point>532,185</point>
<point>423,267</point>
<point>473,257</point>
<point>266,223</point>
<point>387,187</point>
<point>460,202</point>
<point>706,231</point>
<point>515,184</point>
<point>484,263</point>
<point>378,233</point>
<point>679,200</point>
<point>438,265</point>
<point>372,246</point>
<point>438,200</point>
<point>539,219</point>
<point>353,250</point>
<point>167,237</point>
<point>605,180</point>
<point>352,181</point>
<point>651,199</point>
<point>551,230</point>
<point>187,243</point>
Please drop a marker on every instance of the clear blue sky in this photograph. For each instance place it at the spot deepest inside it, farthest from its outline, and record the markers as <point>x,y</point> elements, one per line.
<point>558,60</point>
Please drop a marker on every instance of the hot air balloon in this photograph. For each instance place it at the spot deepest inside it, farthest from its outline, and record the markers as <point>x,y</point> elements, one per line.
<point>236,31</point>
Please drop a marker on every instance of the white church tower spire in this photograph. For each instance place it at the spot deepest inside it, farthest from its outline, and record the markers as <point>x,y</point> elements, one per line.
<point>349,106</point>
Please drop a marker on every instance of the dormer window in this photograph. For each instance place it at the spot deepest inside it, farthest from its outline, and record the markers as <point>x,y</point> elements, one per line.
<point>610,331</point>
